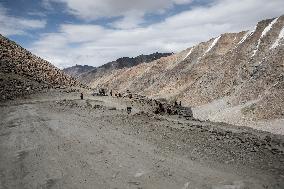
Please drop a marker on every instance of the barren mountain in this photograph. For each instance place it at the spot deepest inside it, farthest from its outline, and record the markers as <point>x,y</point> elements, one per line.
<point>21,72</point>
<point>76,71</point>
<point>88,74</point>
<point>235,77</point>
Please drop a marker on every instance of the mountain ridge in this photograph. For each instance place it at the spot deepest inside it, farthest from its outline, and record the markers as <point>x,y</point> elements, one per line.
<point>77,70</point>
<point>86,75</point>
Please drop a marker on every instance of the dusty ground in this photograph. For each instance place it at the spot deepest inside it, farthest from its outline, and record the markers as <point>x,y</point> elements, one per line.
<point>55,140</point>
<point>221,111</point>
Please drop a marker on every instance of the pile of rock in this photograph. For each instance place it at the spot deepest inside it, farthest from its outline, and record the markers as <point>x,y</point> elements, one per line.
<point>167,108</point>
<point>159,106</point>
<point>12,86</point>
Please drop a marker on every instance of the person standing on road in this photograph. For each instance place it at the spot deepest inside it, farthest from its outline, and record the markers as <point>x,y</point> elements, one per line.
<point>176,104</point>
<point>82,96</point>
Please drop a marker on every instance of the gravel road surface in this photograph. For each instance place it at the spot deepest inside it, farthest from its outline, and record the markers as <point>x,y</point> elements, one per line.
<point>55,140</point>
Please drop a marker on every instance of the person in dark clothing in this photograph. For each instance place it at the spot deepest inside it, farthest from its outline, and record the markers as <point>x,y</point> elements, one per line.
<point>111,93</point>
<point>161,108</point>
<point>82,96</point>
<point>169,110</point>
<point>176,103</point>
<point>180,103</point>
<point>129,110</point>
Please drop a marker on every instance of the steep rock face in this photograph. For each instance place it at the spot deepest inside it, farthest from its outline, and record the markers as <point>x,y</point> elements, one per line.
<point>93,74</point>
<point>23,73</point>
<point>231,77</point>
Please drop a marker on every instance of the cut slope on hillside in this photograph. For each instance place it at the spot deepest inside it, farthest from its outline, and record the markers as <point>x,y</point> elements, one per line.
<point>22,73</point>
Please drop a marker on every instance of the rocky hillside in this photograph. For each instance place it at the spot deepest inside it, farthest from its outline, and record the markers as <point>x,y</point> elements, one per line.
<point>88,74</point>
<point>24,73</point>
<point>235,77</point>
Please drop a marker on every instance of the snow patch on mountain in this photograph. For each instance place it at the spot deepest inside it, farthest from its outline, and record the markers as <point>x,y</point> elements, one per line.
<point>268,28</point>
<point>212,45</point>
<point>189,53</point>
<point>264,32</point>
<point>280,37</point>
<point>248,34</point>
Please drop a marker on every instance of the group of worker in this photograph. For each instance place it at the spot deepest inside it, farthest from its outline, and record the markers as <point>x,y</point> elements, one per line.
<point>159,109</point>
<point>117,95</point>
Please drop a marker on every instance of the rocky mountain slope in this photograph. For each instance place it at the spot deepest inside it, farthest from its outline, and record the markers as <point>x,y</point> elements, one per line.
<point>22,73</point>
<point>88,74</point>
<point>236,77</point>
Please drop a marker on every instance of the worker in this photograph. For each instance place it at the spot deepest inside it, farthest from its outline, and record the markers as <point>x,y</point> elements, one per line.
<point>176,104</point>
<point>129,110</point>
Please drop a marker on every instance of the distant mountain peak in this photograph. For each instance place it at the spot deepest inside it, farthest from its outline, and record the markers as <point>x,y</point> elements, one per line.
<point>84,73</point>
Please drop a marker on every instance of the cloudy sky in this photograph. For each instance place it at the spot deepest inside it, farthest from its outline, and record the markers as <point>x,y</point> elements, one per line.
<point>94,32</point>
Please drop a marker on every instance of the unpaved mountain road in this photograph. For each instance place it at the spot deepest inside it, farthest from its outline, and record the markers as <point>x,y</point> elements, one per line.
<point>48,142</point>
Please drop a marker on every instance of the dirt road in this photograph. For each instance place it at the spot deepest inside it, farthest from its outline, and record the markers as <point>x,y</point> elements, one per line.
<point>62,142</point>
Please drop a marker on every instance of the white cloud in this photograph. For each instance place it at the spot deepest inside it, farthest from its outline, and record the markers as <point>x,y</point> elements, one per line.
<point>94,9</point>
<point>131,11</point>
<point>96,45</point>
<point>131,19</point>
<point>10,25</point>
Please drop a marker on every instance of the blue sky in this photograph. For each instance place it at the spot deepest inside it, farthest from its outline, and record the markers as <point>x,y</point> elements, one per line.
<point>69,32</point>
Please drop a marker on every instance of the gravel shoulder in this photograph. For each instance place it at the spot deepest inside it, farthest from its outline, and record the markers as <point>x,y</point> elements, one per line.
<point>55,140</point>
